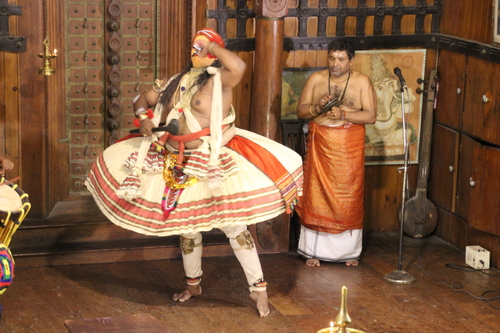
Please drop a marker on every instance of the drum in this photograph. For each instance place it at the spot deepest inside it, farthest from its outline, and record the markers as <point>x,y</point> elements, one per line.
<point>6,268</point>
<point>14,206</point>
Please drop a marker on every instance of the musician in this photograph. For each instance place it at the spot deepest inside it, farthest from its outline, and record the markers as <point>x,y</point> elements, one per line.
<point>331,208</point>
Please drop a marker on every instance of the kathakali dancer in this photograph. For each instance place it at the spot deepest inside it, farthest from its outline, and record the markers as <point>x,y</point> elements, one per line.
<point>204,173</point>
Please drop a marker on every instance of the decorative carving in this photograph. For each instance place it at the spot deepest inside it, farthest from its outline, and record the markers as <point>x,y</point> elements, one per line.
<point>322,12</point>
<point>114,77</point>
<point>275,5</point>
<point>113,92</point>
<point>113,25</point>
<point>398,10</point>
<point>113,59</point>
<point>271,8</point>
<point>115,8</point>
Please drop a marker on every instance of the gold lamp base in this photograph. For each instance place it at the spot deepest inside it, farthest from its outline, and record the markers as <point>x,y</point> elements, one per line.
<point>342,321</point>
<point>47,71</point>
<point>336,330</point>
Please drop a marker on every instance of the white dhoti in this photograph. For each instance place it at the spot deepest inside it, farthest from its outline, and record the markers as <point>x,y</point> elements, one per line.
<point>324,246</point>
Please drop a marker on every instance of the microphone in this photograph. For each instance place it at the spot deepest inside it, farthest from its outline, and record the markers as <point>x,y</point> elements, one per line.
<point>397,71</point>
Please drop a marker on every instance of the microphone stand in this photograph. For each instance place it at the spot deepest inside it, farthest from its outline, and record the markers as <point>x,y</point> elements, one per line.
<point>400,276</point>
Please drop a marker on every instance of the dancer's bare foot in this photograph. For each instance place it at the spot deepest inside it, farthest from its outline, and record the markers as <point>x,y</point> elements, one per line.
<point>351,263</point>
<point>187,293</point>
<point>312,263</point>
<point>260,297</point>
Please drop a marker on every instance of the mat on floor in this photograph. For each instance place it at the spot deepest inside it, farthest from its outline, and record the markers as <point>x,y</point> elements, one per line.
<point>136,323</point>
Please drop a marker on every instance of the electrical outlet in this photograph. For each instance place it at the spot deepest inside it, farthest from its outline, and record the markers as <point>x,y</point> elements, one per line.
<point>477,257</point>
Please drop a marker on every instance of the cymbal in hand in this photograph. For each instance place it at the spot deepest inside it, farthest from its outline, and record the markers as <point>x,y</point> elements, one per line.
<point>328,106</point>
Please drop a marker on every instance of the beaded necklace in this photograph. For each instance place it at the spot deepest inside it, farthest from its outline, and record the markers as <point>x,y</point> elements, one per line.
<point>341,96</point>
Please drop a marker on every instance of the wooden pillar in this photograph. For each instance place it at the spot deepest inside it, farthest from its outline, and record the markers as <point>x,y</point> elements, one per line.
<point>265,107</point>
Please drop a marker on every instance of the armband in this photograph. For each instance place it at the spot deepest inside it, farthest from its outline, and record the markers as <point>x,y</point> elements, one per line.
<point>140,111</point>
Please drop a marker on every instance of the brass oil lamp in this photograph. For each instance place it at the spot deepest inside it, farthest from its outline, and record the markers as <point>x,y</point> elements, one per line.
<point>342,320</point>
<point>47,68</point>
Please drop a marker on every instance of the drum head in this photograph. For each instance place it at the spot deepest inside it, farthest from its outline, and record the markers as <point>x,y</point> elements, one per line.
<point>9,199</point>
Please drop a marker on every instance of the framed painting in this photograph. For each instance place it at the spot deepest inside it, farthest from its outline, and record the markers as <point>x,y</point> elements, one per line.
<point>496,23</point>
<point>384,139</point>
<point>293,80</point>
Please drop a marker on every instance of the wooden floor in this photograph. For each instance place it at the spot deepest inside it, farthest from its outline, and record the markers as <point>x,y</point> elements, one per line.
<point>302,299</point>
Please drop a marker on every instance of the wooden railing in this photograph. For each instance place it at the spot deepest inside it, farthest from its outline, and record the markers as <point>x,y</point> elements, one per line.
<point>421,28</point>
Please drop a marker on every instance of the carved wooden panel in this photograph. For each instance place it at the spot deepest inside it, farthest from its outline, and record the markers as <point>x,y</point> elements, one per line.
<point>86,80</point>
<point>307,19</point>
<point>111,57</point>
<point>138,55</point>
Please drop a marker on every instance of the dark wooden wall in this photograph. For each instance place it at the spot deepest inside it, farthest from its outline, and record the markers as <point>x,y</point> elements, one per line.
<point>383,183</point>
<point>33,125</point>
<point>33,106</point>
<point>465,171</point>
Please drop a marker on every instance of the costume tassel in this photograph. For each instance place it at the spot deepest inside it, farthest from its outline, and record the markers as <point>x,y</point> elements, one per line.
<point>130,188</point>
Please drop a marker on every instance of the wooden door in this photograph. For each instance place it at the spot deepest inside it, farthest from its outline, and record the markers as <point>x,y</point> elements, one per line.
<point>465,170</point>
<point>484,181</point>
<point>109,52</point>
<point>452,74</point>
<point>481,114</point>
<point>54,126</point>
<point>478,183</point>
<point>444,164</point>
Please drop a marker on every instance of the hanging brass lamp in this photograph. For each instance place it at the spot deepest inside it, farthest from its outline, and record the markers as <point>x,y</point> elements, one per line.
<point>47,68</point>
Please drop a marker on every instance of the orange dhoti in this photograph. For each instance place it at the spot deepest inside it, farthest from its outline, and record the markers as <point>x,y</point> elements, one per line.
<point>331,208</point>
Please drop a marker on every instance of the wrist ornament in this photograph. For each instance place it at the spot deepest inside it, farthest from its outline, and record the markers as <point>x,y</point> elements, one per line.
<point>343,115</point>
<point>312,111</point>
<point>148,114</point>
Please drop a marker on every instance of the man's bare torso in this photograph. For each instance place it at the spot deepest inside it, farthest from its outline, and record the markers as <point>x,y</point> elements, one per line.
<point>201,110</point>
<point>352,96</point>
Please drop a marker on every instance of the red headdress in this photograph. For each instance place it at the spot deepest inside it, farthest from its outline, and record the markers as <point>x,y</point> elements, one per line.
<point>212,36</point>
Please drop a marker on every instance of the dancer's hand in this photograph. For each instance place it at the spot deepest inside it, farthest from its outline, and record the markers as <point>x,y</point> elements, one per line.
<point>146,127</point>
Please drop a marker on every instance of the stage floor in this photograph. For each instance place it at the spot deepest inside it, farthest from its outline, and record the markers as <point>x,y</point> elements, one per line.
<point>302,299</point>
